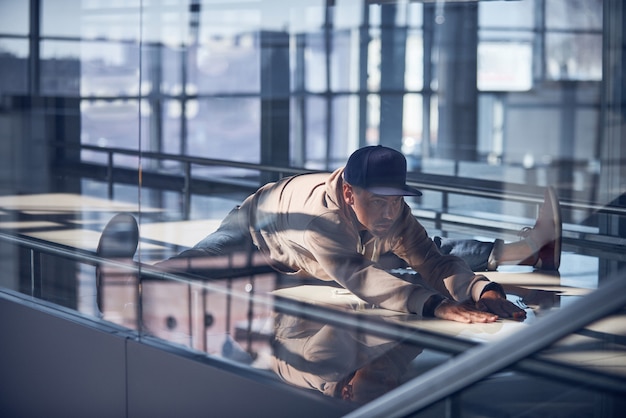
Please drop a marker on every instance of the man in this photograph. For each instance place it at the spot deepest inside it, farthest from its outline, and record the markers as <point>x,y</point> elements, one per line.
<point>336,228</point>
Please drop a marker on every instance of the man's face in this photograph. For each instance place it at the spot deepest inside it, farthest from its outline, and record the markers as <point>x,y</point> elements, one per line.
<point>375,212</point>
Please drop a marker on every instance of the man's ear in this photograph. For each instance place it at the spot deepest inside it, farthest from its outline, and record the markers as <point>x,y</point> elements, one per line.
<point>348,194</point>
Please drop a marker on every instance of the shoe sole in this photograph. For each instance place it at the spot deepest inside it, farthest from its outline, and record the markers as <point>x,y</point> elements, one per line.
<point>554,248</point>
<point>119,240</point>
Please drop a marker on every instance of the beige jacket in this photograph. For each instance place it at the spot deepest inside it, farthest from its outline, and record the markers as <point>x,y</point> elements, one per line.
<point>303,226</point>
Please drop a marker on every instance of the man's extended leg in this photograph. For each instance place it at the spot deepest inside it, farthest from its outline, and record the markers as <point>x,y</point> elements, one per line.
<point>540,246</point>
<point>227,252</point>
<point>477,254</point>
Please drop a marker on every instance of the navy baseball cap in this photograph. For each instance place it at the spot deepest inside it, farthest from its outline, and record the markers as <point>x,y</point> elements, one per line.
<point>379,170</point>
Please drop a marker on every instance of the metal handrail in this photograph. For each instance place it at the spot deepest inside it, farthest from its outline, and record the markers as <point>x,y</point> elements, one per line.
<point>365,323</point>
<point>434,182</point>
<point>480,362</point>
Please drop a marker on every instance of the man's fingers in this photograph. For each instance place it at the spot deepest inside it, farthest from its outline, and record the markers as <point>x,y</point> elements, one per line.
<point>461,313</point>
<point>482,317</point>
<point>502,308</point>
<point>485,310</point>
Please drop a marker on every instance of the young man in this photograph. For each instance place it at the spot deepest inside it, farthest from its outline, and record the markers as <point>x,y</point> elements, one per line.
<point>339,228</point>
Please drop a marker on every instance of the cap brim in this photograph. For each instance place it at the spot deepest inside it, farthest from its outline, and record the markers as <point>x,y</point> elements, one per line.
<point>394,191</point>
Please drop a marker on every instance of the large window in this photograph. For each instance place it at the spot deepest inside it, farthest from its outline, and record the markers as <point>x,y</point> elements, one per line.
<point>356,74</point>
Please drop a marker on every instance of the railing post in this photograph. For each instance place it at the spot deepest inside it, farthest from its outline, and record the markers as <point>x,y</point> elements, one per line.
<point>35,273</point>
<point>110,174</point>
<point>187,191</point>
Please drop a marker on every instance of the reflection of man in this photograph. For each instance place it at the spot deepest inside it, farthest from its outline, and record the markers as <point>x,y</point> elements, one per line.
<point>340,227</point>
<point>338,362</point>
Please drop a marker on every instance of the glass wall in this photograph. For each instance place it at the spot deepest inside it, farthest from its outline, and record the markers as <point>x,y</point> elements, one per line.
<point>173,111</point>
<point>398,73</point>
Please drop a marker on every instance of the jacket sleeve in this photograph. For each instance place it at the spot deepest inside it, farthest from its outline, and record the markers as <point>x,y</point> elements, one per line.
<point>448,274</point>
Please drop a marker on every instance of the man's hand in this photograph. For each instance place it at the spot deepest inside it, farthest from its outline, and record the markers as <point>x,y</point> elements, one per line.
<point>491,306</point>
<point>492,301</point>
<point>454,311</point>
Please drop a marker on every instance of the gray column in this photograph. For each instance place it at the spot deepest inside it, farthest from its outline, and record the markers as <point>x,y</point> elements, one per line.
<point>392,67</point>
<point>613,113</point>
<point>274,100</point>
<point>456,74</point>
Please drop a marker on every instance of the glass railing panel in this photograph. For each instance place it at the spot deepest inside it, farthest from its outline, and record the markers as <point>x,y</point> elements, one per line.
<point>50,243</point>
<point>248,316</point>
